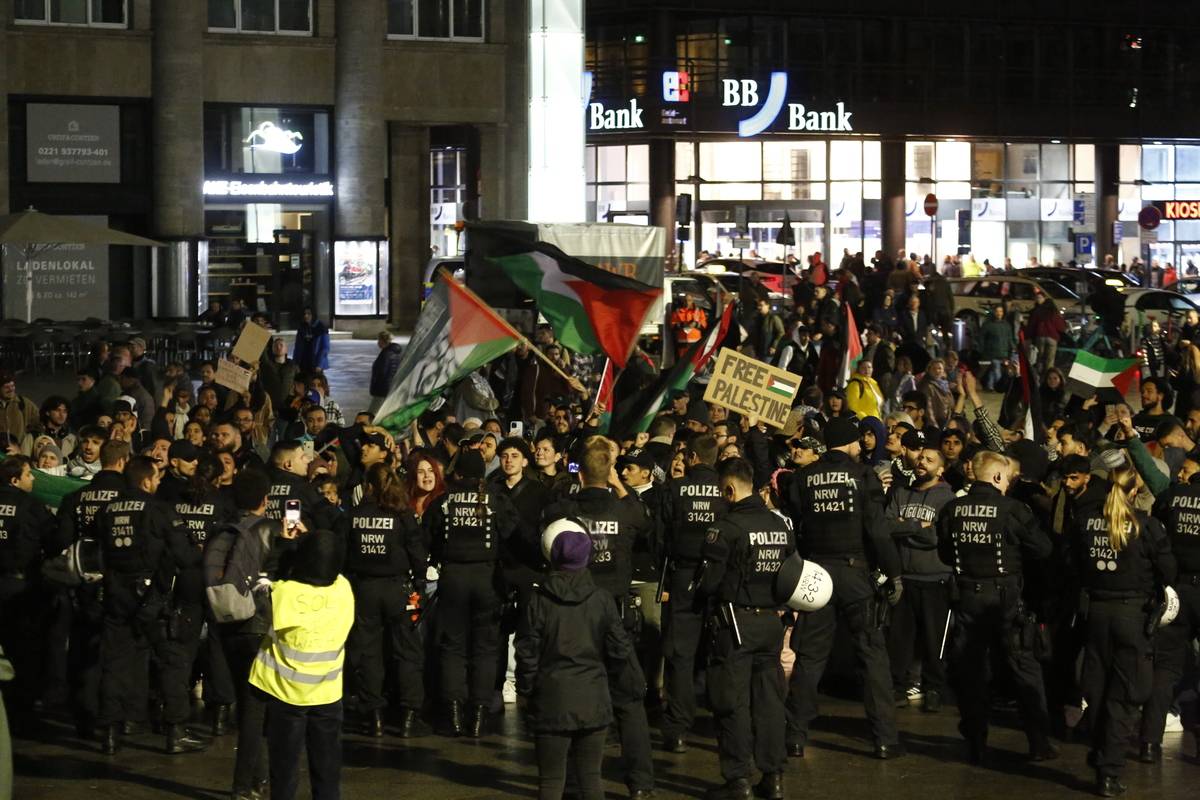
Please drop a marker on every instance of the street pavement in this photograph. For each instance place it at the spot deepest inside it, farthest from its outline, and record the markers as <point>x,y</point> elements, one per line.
<point>52,763</point>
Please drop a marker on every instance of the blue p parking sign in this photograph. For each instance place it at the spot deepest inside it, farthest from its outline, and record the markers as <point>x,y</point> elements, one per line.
<point>1084,244</point>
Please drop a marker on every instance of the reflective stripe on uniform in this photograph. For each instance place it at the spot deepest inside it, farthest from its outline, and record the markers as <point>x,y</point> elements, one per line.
<point>292,654</point>
<point>287,673</point>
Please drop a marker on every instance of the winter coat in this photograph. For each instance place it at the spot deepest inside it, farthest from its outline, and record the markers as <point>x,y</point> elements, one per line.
<point>18,417</point>
<point>1045,321</point>
<point>311,350</point>
<point>384,368</point>
<point>996,339</point>
<point>571,632</point>
<point>277,379</point>
<point>863,396</point>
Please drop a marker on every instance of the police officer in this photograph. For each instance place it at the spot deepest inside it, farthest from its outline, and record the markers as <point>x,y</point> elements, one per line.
<point>204,510</point>
<point>27,536</point>
<point>386,558</point>
<point>837,507</point>
<point>289,473</point>
<point>140,538</point>
<point>1123,559</point>
<point>1179,510</point>
<point>984,536</point>
<point>182,457</point>
<point>466,530</point>
<point>691,505</point>
<point>614,521</point>
<point>77,520</point>
<point>741,555</point>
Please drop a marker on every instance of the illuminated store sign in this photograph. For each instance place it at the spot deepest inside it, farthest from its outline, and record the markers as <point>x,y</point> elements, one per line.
<point>1179,209</point>
<point>676,87</point>
<point>624,119</point>
<point>745,93</point>
<point>272,138</point>
<point>268,189</point>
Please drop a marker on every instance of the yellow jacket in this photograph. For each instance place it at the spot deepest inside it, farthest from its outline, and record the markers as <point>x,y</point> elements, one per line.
<point>863,396</point>
<point>300,661</point>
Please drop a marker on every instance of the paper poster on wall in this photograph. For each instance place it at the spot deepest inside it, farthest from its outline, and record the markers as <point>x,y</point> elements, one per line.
<point>70,281</point>
<point>73,143</point>
<point>356,266</point>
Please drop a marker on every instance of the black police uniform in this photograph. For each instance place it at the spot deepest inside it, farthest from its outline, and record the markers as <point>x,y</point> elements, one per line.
<point>315,511</point>
<point>837,506</point>
<point>691,505</point>
<point>1118,670</point>
<point>27,536</point>
<point>77,520</point>
<point>741,555</point>
<point>614,525</point>
<point>466,529</point>
<point>140,538</point>
<point>983,536</point>
<point>521,554</point>
<point>1179,511</point>
<point>386,559</point>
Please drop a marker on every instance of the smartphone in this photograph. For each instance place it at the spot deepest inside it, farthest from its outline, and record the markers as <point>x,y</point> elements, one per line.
<point>516,429</point>
<point>291,512</point>
<point>572,467</point>
<point>308,448</point>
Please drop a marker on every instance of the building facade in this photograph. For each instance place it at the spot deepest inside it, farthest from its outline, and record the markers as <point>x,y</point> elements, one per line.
<point>1042,129</point>
<point>293,153</point>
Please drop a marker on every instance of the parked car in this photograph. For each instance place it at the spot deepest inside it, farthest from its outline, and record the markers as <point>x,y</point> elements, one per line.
<point>974,298</point>
<point>455,264</point>
<point>1082,281</point>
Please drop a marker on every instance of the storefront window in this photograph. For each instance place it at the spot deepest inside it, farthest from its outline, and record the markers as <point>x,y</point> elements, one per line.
<point>1152,172</point>
<point>952,161</point>
<point>436,19</point>
<point>97,13</point>
<point>284,17</point>
<point>448,192</point>
<point>272,141</point>
<point>618,183</point>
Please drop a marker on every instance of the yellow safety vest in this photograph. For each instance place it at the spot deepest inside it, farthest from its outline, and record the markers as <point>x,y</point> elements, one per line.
<point>300,660</point>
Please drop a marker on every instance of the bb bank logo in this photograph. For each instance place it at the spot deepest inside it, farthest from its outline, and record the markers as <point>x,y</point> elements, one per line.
<point>745,93</point>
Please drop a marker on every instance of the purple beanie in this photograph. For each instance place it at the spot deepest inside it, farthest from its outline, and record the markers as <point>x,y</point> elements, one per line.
<point>571,551</point>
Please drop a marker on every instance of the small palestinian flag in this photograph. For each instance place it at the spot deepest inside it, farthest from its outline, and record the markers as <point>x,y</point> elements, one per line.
<point>604,397</point>
<point>1091,372</point>
<point>852,348</point>
<point>591,310</point>
<point>781,388</point>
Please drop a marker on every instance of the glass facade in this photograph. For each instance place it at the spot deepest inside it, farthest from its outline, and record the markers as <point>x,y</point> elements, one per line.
<point>447,194</point>
<point>1158,171</point>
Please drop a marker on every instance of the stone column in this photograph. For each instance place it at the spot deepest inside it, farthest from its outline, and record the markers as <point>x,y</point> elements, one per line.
<point>4,11</point>
<point>662,187</point>
<point>494,177</point>
<point>512,29</point>
<point>177,56</point>
<point>361,143</point>
<point>891,156</point>
<point>409,246</point>
<point>1108,165</point>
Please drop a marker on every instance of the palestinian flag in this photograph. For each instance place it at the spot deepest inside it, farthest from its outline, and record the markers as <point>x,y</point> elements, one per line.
<point>1091,372</point>
<point>50,489</point>
<point>852,348</point>
<point>456,334</point>
<point>1024,395</point>
<point>591,310</point>
<point>784,389</point>
<point>604,396</point>
<point>637,417</point>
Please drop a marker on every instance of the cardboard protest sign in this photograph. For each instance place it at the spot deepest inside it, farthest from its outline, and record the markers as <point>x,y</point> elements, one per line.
<point>250,344</point>
<point>231,376</point>
<point>748,386</point>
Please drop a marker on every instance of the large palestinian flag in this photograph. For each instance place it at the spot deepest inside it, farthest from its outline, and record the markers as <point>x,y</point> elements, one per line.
<point>591,310</point>
<point>51,489</point>
<point>1091,372</point>
<point>456,334</point>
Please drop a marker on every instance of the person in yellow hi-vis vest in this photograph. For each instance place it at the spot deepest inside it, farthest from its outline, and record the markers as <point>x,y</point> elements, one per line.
<point>299,668</point>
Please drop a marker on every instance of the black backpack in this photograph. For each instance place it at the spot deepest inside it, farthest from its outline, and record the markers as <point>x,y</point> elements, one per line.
<point>232,563</point>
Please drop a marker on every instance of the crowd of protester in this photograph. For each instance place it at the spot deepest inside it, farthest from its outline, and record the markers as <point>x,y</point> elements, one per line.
<point>441,632</point>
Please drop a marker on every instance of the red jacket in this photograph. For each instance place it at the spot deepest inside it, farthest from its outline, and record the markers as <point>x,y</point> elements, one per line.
<point>1046,321</point>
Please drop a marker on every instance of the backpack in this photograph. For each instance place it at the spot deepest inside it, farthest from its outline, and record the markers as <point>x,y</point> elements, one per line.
<point>231,566</point>
<point>82,562</point>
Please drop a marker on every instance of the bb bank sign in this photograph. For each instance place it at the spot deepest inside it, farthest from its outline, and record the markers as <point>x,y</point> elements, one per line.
<point>747,94</point>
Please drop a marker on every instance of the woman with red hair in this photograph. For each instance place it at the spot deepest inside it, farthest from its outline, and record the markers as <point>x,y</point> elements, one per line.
<point>423,475</point>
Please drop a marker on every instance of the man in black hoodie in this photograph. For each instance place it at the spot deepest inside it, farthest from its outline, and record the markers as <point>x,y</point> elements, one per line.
<point>384,369</point>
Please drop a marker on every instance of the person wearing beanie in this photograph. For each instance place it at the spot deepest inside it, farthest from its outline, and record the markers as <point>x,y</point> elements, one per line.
<point>468,530</point>
<point>569,632</point>
<point>838,504</point>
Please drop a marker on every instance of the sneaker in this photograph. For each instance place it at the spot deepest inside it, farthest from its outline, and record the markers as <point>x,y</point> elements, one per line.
<point>509,692</point>
<point>1173,724</point>
<point>914,695</point>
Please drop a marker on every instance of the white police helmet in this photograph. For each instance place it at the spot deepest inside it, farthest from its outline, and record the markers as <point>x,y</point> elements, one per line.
<point>551,532</point>
<point>1170,607</point>
<point>803,585</point>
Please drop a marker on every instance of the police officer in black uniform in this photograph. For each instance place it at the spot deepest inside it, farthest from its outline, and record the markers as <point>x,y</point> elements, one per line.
<point>836,504</point>
<point>77,520</point>
<point>466,530</point>
<point>28,535</point>
<point>288,472</point>
<point>984,536</point>
<point>691,505</point>
<point>1123,559</point>
<point>1179,510</point>
<point>615,520</point>
<point>143,542</point>
<point>182,458</point>
<point>741,556</point>
<point>386,558</point>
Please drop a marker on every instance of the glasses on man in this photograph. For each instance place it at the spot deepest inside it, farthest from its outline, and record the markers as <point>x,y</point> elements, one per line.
<point>910,407</point>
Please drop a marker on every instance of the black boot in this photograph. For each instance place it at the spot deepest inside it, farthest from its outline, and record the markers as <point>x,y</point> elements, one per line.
<point>181,740</point>
<point>455,721</point>
<point>221,722</point>
<point>375,723</point>
<point>931,703</point>
<point>1150,753</point>
<point>1109,786</point>
<point>733,790</point>
<point>110,740</point>
<point>478,718</point>
<point>771,786</point>
<point>411,725</point>
<point>674,744</point>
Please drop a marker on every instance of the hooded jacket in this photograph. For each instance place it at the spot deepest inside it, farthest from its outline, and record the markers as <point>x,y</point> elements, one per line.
<point>908,507</point>
<point>568,637</point>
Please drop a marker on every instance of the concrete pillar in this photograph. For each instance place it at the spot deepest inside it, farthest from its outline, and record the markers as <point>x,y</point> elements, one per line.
<point>4,10</point>
<point>409,209</point>
<point>361,138</point>
<point>891,157</point>
<point>662,186</point>
<point>177,56</point>
<point>1108,166</point>
<point>494,177</point>
<point>510,26</point>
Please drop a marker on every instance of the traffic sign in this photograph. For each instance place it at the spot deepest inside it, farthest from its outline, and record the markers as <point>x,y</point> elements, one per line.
<point>742,243</point>
<point>1084,243</point>
<point>931,205</point>
<point>1149,217</point>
